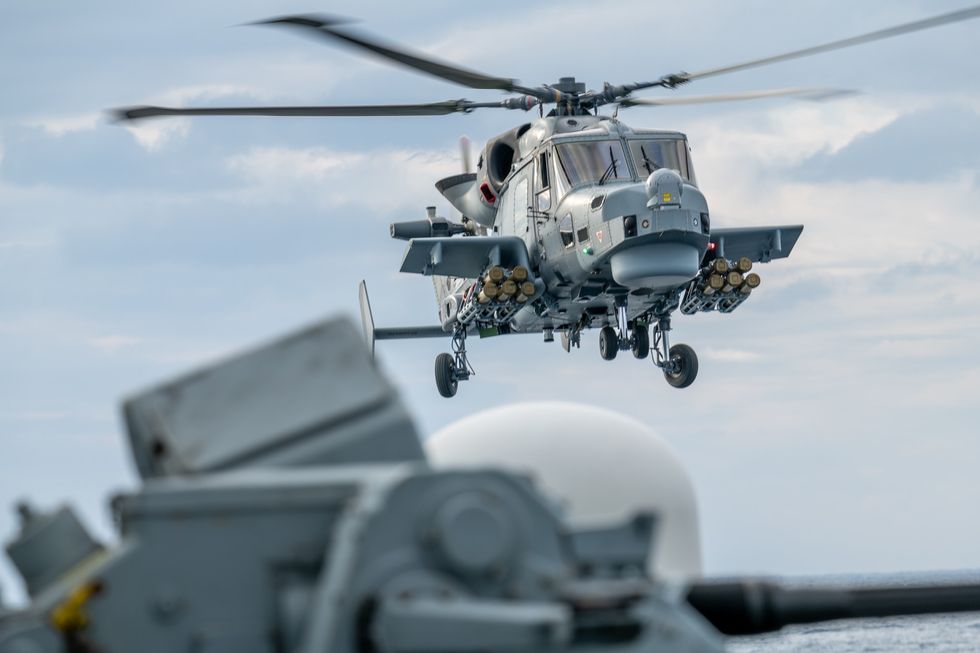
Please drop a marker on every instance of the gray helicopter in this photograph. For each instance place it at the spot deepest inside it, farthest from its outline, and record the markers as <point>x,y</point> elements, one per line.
<point>572,221</point>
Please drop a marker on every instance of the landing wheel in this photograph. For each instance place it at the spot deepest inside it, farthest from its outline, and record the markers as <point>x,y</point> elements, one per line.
<point>608,343</point>
<point>682,369</point>
<point>446,375</point>
<point>641,341</point>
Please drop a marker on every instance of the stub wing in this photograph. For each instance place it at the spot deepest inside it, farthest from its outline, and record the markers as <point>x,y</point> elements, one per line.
<point>760,244</point>
<point>463,257</point>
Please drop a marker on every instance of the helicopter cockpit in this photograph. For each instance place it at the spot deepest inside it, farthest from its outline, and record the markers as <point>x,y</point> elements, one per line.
<point>605,161</point>
<point>651,154</point>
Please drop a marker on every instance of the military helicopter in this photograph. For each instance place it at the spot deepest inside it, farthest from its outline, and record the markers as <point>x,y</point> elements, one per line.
<point>572,221</point>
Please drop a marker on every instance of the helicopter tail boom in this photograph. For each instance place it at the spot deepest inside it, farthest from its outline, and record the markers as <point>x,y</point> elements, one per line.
<point>372,333</point>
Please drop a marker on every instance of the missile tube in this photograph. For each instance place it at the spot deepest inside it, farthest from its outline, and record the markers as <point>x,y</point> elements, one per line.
<point>495,275</point>
<point>732,281</point>
<point>507,290</point>
<point>519,274</point>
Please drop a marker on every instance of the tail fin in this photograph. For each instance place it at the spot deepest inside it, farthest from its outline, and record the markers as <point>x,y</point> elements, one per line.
<point>367,318</point>
<point>390,333</point>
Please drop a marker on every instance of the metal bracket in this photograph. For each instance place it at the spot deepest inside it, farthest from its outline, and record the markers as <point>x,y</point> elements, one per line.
<point>463,370</point>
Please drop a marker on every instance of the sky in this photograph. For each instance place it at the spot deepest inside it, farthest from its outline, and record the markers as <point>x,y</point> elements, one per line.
<point>833,425</point>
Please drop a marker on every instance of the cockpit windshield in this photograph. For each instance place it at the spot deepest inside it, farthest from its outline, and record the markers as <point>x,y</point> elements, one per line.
<point>652,154</point>
<point>593,162</point>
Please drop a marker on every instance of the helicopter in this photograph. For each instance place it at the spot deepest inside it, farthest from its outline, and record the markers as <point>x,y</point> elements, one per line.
<point>572,221</point>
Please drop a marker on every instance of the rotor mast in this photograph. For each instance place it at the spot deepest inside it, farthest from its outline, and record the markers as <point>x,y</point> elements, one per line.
<point>568,93</point>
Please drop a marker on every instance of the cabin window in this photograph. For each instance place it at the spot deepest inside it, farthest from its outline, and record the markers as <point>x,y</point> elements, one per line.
<point>583,234</point>
<point>565,230</point>
<point>544,200</point>
<point>591,162</point>
<point>651,154</point>
<point>520,207</point>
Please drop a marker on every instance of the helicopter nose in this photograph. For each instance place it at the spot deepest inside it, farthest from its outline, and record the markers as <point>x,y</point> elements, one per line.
<point>666,251</point>
<point>655,265</point>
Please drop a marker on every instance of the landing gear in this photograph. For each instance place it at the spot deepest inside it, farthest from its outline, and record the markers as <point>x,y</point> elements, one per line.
<point>446,375</point>
<point>683,366</point>
<point>612,339</point>
<point>608,343</point>
<point>452,368</point>
<point>624,336</point>
<point>679,363</point>
<point>640,341</point>
<point>571,338</point>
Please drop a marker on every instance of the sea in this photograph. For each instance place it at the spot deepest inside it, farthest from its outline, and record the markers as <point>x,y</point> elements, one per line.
<point>946,633</point>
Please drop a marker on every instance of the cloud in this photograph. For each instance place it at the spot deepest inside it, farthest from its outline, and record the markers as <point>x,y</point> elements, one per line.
<point>925,144</point>
<point>383,180</point>
<point>739,146</point>
<point>114,342</point>
<point>24,245</point>
<point>31,416</point>
<point>61,125</point>
<point>731,355</point>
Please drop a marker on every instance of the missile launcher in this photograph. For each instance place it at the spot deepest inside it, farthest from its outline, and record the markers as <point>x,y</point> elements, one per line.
<point>720,286</point>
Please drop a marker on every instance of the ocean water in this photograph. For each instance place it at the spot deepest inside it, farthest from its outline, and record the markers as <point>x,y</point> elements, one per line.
<point>946,633</point>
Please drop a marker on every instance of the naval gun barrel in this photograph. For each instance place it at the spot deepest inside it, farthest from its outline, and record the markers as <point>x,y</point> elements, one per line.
<point>753,607</point>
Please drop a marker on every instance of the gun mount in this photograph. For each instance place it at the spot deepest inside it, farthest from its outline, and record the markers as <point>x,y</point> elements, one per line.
<point>287,506</point>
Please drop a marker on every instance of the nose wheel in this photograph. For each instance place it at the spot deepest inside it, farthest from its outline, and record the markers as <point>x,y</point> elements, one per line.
<point>631,336</point>
<point>452,368</point>
<point>679,363</point>
<point>608,343</point>
<point>640,340</point>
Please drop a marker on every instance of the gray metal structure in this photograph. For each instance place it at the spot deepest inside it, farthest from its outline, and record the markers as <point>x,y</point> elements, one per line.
<point>287,506</point>
<point>573,221</point>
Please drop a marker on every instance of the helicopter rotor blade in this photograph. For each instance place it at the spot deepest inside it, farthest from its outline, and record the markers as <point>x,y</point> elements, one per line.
<point>811,94</point>
<point>676,79</point>
<point>326,26</point>
<point>430,109</point>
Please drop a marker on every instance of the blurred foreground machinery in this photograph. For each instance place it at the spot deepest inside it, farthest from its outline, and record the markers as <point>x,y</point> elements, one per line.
<point>288,506</point>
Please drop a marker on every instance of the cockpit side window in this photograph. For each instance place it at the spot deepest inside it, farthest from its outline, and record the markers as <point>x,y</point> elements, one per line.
<point>592,162</point>
<point>651,154</point>
<point>565,231</point>
<point>543,183</point>
<point>559,179</point>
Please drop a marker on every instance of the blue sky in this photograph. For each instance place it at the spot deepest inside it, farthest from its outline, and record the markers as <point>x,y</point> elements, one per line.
<point>833,425</point>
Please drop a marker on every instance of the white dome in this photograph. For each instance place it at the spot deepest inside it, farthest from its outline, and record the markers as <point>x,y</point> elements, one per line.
<point>600,465</point>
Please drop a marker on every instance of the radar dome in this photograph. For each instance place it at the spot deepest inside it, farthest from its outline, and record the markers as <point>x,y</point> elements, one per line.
<point>599,465</point>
